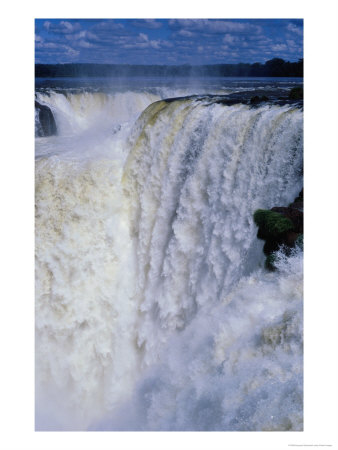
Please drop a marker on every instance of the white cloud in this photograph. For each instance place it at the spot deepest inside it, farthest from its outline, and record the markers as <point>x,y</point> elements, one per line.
<point>85,44</point>
<point>143,42</point>
<point>294,29</point>
<point>185,33</point>
<point>55,48</point>
<point>147,23</point>
<point>214,26</point>
<point>109,25</point>
<point>166,44</point>
<point>71,52</point>
<point>63,27</point>
<point>38,38</point>
<point>221,54</point>
<point>279,47</point>
<point>143,37</point>
<point>48,45</point>
<point>228,39</point>
<point>149,43</point>
<point>80,35</point>
<point>67,26</point>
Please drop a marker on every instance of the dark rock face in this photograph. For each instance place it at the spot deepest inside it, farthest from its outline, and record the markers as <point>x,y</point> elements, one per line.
<point>296,93</point>
<point>297,205</point>
<point>281,227</point>
<point>256,99</point>
<point>293,214</point>
<point>298,202</point>
<point>291,238</point>
<point>46,125</point>
<point>274,96</point>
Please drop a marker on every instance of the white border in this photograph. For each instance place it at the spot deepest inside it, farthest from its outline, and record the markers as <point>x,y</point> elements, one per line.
<point>17,246</point>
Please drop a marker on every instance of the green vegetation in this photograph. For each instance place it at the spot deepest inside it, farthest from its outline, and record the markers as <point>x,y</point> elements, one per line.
<point>296,93</point>
<point>282,230</point>
<point>269,262</point>
<point>300,241</point>
<point>275,67</point>
<point>271,224</point>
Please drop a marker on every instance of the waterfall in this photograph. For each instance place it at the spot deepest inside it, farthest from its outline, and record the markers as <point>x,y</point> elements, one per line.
<point>152,309</point>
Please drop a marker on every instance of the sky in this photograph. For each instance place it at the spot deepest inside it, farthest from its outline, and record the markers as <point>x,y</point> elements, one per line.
<point>167,41</point>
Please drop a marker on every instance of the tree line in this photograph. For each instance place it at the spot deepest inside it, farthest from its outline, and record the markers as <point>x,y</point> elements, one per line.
<point>275,67</point>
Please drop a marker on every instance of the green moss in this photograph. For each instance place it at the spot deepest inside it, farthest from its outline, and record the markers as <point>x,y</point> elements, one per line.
<point>271,224</point>
<point>269,262</point>
<point>296,93</point>
<point>300,241</point>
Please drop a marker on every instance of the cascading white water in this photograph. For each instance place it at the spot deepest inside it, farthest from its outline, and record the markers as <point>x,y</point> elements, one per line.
<point>237,366</point>
<point>195,174</point>
<point>76,112</point>
<point>147,268</point>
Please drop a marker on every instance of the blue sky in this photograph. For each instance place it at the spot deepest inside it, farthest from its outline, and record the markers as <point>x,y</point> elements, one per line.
<point>167,41</point>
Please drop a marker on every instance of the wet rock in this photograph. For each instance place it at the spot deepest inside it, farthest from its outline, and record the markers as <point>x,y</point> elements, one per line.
<point>296,93</point>
<point>298,203</point>
<point>272,224</point>
<point>46,122</point>
<point>291,238</point>
<point>269,262</point>
<point>293,214</point>
<point>282,228</point>
<point>256,99</point>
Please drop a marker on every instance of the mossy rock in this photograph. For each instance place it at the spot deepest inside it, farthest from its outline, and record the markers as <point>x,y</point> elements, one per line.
<point>272,225</point>
<point>293,214</point>
<point>296,93</point>
<point>256,99</point>
<point>271,246</point>
<point>270,262</point>
<point>300,241</point>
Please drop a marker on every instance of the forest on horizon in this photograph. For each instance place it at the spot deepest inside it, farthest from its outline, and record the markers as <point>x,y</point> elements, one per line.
<point>275,67</point>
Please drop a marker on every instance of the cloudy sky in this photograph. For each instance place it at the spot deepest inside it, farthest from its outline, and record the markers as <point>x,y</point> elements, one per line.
<point>167,41</point>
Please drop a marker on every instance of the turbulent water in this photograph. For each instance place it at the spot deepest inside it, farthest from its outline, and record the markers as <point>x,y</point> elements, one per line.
<point>153,311</point>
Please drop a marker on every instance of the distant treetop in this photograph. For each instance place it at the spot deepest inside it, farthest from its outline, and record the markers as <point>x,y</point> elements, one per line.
<point>275,67</point>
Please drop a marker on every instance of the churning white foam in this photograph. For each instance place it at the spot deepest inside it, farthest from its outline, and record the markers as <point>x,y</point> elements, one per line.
<point>237,366</point>
<point>148,293</point>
